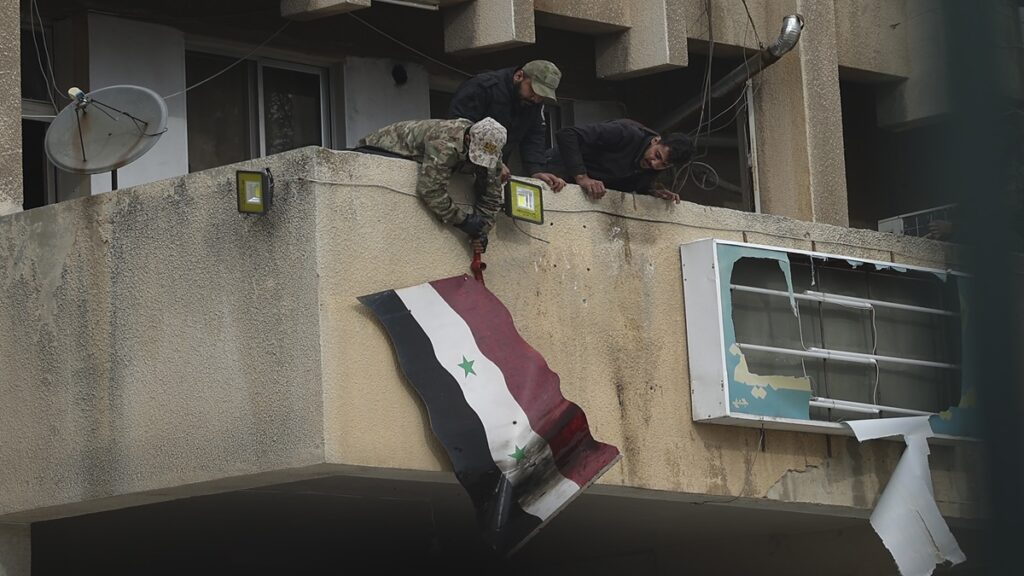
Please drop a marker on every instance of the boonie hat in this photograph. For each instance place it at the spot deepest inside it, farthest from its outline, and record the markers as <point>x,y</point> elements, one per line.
<point>486,139</point>
<point>545,77</point>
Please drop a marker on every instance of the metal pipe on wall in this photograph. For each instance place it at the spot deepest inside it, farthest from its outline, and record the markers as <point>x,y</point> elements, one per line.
<point>792,26</point>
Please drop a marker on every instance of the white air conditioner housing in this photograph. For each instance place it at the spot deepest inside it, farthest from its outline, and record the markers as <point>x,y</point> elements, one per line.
<point>915,223</point>
<point>858,356</point>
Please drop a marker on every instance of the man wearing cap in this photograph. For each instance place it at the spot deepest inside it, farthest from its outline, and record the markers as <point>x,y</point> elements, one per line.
<point>514,97</point>
<point>442,146</point>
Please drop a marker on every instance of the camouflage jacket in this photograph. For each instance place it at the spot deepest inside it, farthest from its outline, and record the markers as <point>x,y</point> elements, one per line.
<point>440,146</point>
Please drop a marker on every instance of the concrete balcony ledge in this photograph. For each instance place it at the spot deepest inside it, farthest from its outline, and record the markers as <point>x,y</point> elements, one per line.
<point>156,344</point>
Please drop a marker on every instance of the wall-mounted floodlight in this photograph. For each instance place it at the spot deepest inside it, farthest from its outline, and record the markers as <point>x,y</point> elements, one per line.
<point>255,190</point>
<point>524,201</point>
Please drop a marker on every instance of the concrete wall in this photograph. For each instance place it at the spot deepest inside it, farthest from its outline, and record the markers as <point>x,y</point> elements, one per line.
<point>153,339</point>
<point>603,302</point>
<point>798,117</point>
<point>15,550</point>
<point>871,37</point>
<point>923,95</point>
<point>373,100</point>
<point>157,339</point>
<point>10,108</point>
<point>131,52</point>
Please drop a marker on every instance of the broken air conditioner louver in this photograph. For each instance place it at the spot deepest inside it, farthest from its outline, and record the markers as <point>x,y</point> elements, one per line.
<point>916,223</point>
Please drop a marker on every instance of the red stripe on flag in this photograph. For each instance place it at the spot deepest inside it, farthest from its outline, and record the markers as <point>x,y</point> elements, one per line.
<point>534,386</point>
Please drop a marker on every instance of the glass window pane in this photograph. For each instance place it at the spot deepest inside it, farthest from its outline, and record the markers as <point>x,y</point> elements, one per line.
<point>291,109</point>
<point>220,117</point>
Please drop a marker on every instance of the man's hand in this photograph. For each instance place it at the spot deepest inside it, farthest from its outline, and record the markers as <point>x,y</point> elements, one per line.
<point>665,194</point>
<point>473,225</point>
<point>551,180</point>
<point>594,189</point>
<point>939,229</point>
<point>505,173</point>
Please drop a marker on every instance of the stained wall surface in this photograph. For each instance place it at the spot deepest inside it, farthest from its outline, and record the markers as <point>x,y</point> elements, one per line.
<point>154,343</point>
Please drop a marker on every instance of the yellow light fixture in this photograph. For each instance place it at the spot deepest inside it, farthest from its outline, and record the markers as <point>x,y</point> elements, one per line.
<point>255,190</point>
<point>524,201</point>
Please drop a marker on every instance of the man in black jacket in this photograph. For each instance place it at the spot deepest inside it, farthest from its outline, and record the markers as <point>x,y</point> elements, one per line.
<point>619,154</point>
<point>514,97</point>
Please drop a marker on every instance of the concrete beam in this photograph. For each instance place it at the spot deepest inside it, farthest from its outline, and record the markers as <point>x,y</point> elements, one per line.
<point>484,25</point>
<point>15,550</point>
<point>583,16</point>
<point>923,94</point>
<point>312,9</point>
<point>871,38</point>
<point>799,125</point>
<point>655,41</point>
<point>11,196</point>
<point>730,24</point>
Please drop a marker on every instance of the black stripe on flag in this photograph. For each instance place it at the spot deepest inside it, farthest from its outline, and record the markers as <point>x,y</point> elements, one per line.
<point>456,425</point>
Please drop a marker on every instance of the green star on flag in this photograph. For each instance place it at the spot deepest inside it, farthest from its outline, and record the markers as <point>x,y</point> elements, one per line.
<point>467,365</point>
<point>519,454</point>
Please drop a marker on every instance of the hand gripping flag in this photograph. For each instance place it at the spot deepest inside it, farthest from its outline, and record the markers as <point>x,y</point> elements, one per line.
<point>518,447</point>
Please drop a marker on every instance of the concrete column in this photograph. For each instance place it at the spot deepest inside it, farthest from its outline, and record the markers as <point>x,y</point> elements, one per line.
<point>310,9</point>
<point>15,550</point>
<point>11,196</point>
<point>484,25</point>
<point>655,41</point>
<point>798,116</point>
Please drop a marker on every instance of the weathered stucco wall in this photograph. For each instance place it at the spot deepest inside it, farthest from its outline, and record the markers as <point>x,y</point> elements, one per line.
<point>15,550</point>
<point>153,338</point>
<point>603,302</point>
<point>799,125</point>
<point>871,36</point>
<point>10,108</point>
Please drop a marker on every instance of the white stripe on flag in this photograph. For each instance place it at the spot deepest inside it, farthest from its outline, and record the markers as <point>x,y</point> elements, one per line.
<point>486,392</point>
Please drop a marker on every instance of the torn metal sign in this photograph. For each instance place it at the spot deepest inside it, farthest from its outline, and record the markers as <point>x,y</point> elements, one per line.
<point>906,517</point>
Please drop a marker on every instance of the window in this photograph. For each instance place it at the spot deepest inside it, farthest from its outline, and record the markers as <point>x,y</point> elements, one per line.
<point>256,108</point>
<point>803,340</point>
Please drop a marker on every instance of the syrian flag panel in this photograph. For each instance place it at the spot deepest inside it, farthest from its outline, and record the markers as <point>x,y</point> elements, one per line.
<point>518,447</point>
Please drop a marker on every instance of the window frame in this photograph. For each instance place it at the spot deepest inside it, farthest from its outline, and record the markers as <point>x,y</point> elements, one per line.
<point>275,58</point>
<point>325,105</point>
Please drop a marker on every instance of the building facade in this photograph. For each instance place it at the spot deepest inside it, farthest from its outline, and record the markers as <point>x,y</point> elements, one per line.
<point>190,388</point>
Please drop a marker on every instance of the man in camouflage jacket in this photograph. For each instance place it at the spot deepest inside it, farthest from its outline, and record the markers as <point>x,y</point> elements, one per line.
<point>442,146</point>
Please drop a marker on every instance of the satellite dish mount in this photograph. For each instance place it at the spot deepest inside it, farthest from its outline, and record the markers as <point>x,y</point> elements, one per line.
<point>105,129</point>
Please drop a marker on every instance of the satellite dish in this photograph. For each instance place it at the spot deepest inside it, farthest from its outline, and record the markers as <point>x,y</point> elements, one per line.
<point>105,129</point>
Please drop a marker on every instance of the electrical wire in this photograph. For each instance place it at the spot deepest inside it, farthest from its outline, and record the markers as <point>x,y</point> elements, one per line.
<point>516,224</point>
<point>39,56</point>
<point>705,103</point>
<point>49,61</point>
<point>233,64</point>
<point>407,47</point>
<point>748,476</point>
<point>752,25</point>
<point>587,211</point>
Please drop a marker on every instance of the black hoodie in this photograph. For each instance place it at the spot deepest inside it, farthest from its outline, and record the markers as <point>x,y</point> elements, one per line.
<point>494,94</point>
<point>610,152</point>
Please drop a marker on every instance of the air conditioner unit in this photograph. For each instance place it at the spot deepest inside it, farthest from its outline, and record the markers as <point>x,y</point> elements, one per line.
<point>797,340</point>
<point>915,223</point>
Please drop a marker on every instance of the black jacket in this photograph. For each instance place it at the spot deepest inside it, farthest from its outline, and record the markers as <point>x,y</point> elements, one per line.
<point>610,152</point>
<point>492,94</point>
